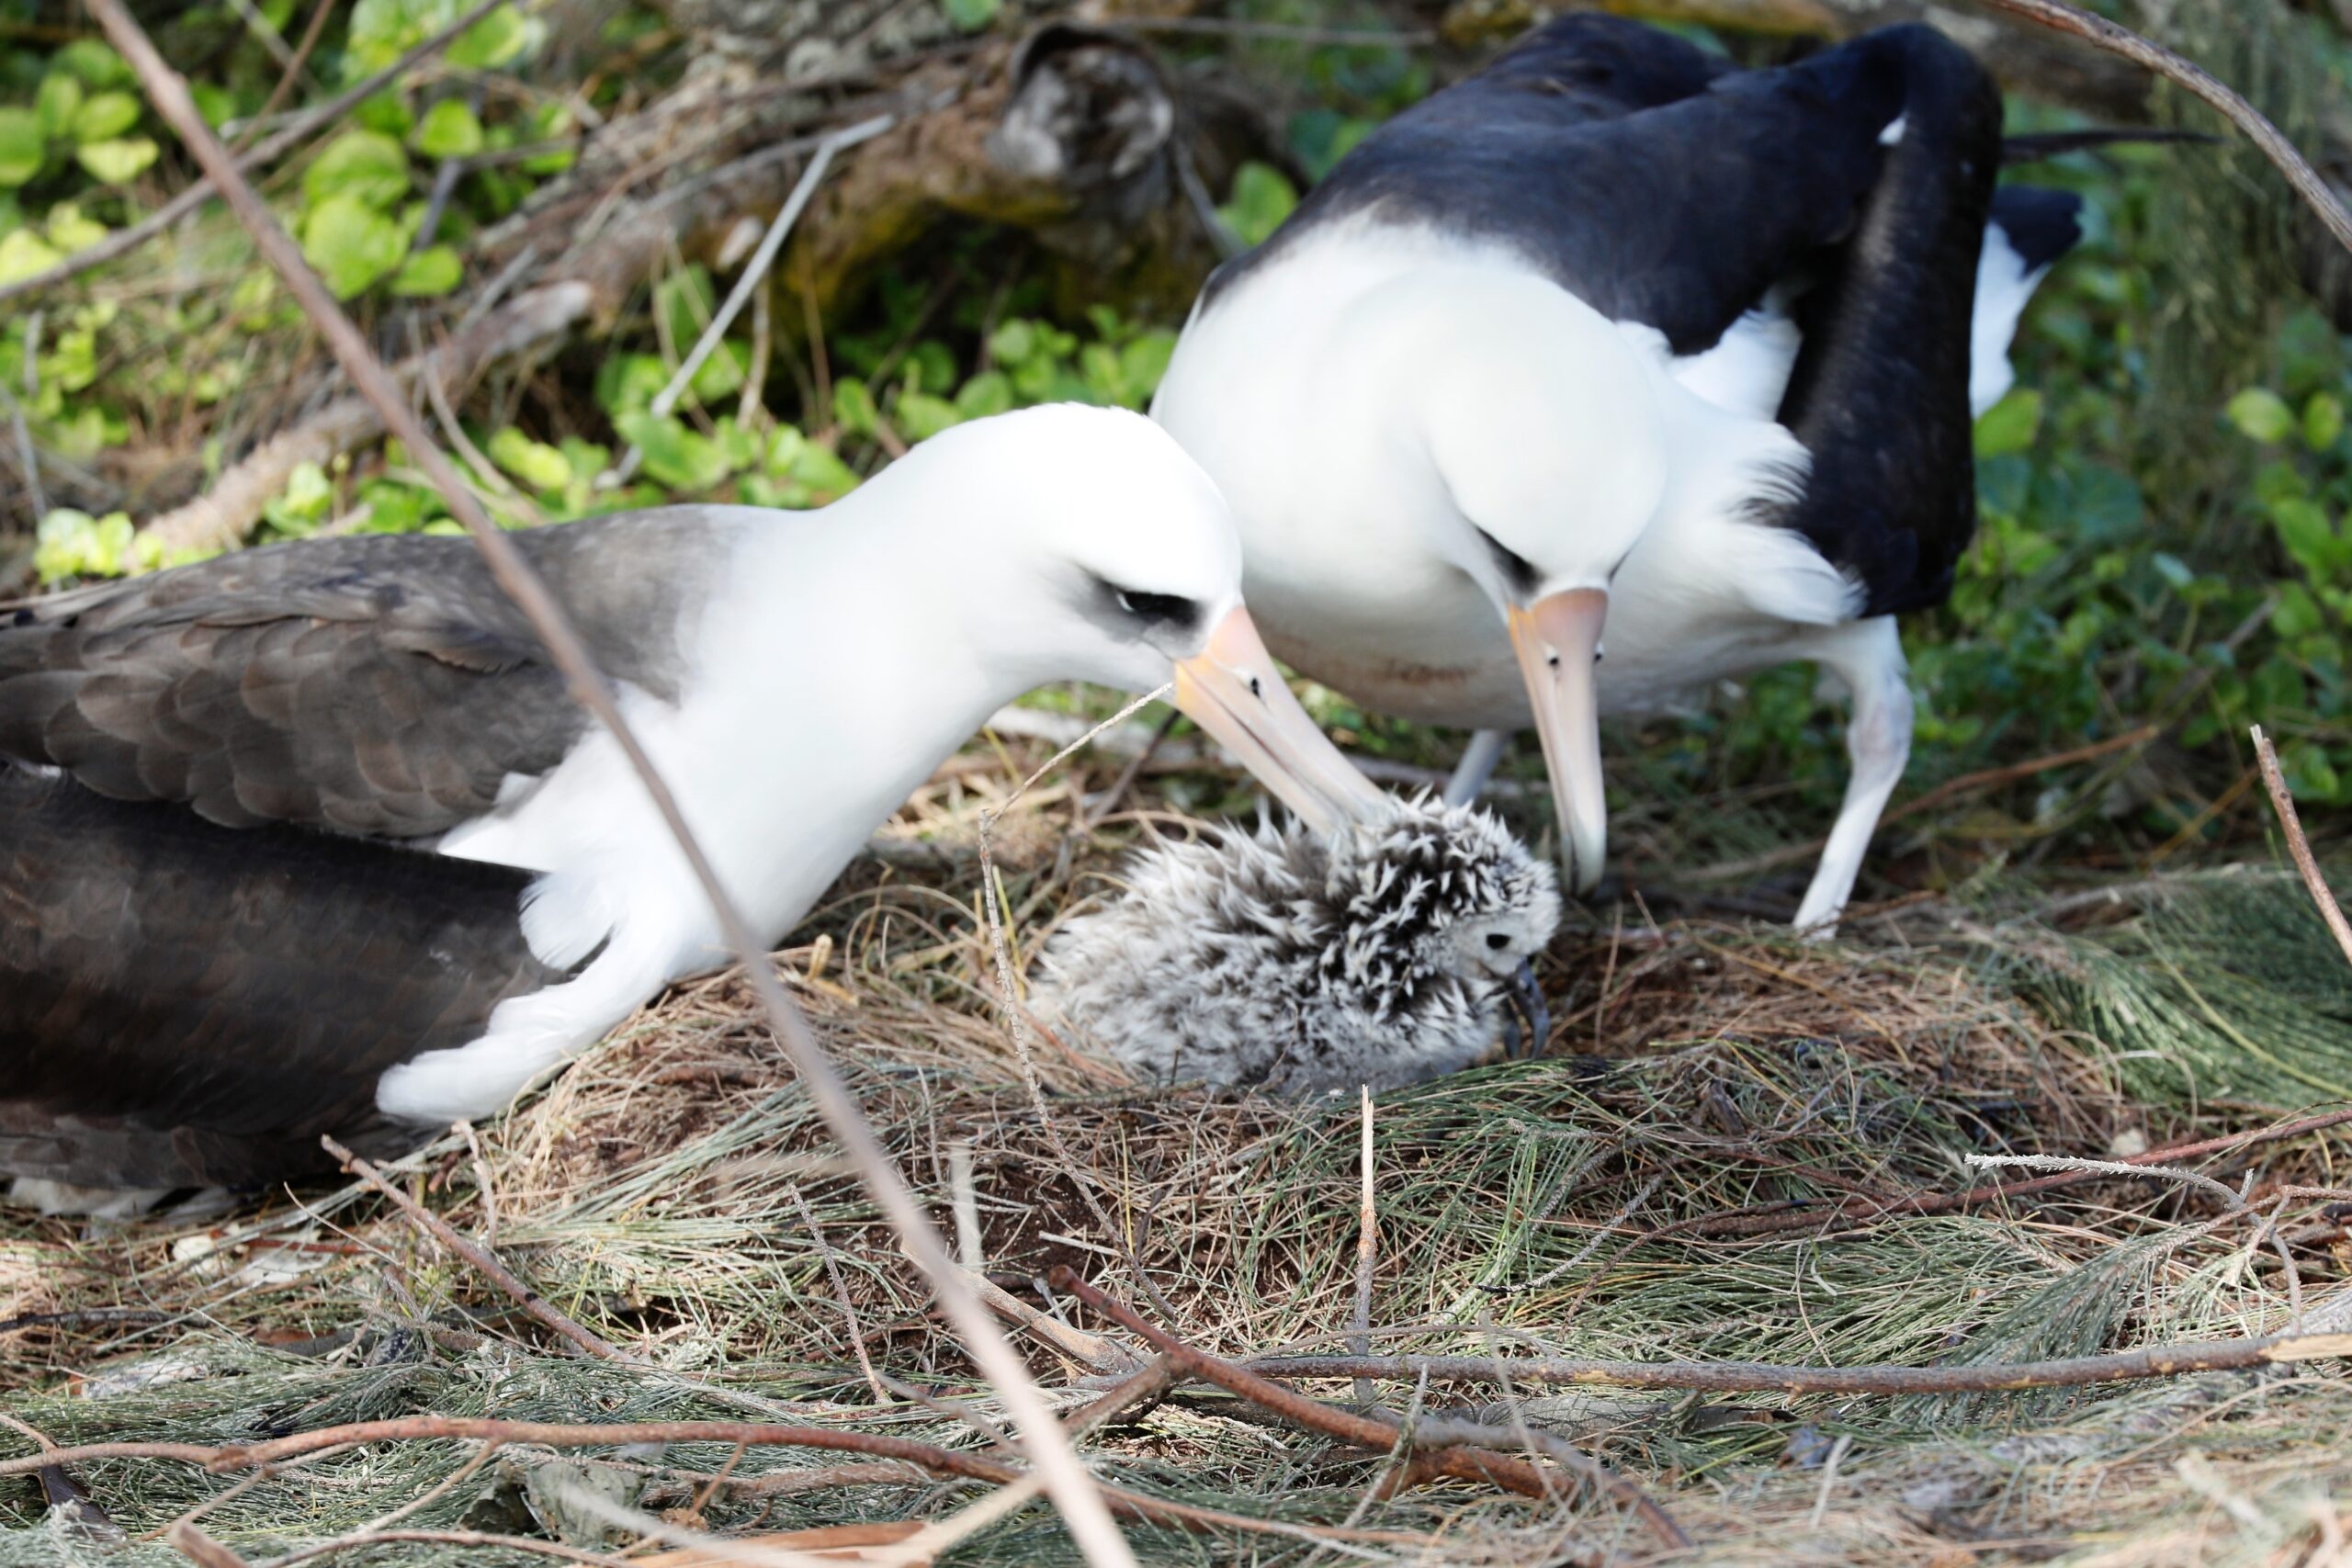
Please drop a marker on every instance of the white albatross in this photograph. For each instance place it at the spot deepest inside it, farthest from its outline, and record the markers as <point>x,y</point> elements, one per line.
<point>311,839</point>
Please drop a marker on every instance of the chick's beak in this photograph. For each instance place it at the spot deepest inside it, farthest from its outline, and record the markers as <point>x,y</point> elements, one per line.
<point>1232,690</point>
<point>1557,640</point>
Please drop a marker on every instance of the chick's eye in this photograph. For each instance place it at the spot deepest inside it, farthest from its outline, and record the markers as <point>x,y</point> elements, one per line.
<point>1497,941</point>
<point>1158,609</point>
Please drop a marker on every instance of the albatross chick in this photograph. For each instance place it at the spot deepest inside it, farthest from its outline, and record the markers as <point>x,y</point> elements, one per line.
<point>1391,951</point>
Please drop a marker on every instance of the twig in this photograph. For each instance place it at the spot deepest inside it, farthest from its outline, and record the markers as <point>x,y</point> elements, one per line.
<point>2109,1167</point>
<point>122,241</point>
<point>841,1290</point>
<point>191,1543</point>
<point>2298,846</point>
<point>1367,1253</point>
<point>1985,778</point>
<point>482,1538</point>
<point>1765,1377</point>
<point>320,12</point>
<point>482,1188</point>
<point>485,1262</point>
<point>1458,1462</point>
<point>27,458</point>
<point>754,273</point>
<point>1776,1218</point>
<point>2266,137</point>
<point>1072,1487</point>
<point>948,1462</point>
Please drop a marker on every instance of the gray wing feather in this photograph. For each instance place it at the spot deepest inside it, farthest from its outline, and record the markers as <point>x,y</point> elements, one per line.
<point>381,685</point>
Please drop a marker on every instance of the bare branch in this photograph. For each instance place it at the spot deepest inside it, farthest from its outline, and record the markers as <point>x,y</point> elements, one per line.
<point>2297,845</point>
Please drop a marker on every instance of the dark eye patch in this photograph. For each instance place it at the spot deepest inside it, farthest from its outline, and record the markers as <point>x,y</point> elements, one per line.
<point>1516,571</point>
<point>1171,611</point>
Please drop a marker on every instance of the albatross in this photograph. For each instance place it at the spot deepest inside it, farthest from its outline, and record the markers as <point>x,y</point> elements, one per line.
<point>1615,336</point>
<point>311,839</point>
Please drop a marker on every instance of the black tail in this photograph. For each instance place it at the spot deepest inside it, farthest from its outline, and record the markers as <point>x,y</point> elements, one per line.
<point>2038,145</point>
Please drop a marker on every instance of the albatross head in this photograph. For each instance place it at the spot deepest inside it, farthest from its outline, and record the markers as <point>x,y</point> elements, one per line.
<point>1112,558</point>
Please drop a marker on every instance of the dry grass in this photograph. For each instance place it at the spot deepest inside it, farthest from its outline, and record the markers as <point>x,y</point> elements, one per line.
<point>655,1192</point>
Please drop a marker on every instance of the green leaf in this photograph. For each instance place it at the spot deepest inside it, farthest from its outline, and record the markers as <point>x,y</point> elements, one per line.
<point>1145,360</point>
<point>2304,529</point>
<point>2298,615</point>
<point>117,162</point>
<point>921,416</point>
<point>1014,343</point>
<point>93,61</point>
<point>1262,198</point>
<point>104,115</point>
<point>304,504</point>
<point>2011,425</point>
<point>626,383</point>
<point>434,270</point>
<point>535,463</point>
<point>971,16</point>
<point>351,245</point>
<point>495,40</point>
<point>989,393</point>
<point>69,230</point>
<point>57,102</point>
<point>675,457</point>
<point>364,166</point>
<point>2323,421</point>
<point>853,408</point>
<point>447,131</point>
<point>23,254</point>
<point>2262,414</point>
<point>23,148</point>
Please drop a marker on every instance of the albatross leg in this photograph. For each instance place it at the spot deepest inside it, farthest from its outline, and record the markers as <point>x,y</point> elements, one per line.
<point>1867,656</point>
<point>1479,760</point>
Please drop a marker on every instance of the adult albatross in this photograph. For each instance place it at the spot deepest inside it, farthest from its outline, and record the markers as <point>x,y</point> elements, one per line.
<point>311,839</point>
<point>1613,330</point>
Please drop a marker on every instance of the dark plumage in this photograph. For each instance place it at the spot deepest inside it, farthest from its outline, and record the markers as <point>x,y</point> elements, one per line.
<point>1393,953</point>
<point>188,1005</point>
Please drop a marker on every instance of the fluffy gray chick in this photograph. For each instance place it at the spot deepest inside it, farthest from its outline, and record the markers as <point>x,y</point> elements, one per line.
<point>1394,954</point>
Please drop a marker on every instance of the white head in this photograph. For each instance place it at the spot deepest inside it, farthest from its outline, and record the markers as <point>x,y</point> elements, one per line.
<point>1542,418</point>
<point>1086,546</point>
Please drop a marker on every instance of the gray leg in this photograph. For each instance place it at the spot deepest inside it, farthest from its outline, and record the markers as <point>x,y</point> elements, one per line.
<point>1479,760</point>
<point>1867,657</point>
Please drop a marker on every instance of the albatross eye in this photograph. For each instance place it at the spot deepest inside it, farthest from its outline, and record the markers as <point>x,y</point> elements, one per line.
<point>1158,609</point>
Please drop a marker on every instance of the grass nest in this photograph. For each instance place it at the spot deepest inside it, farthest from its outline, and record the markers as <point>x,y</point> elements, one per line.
<point>1738,1147</point>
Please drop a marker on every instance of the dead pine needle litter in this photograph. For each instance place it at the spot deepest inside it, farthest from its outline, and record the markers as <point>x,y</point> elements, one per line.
<point>1707,1167</point>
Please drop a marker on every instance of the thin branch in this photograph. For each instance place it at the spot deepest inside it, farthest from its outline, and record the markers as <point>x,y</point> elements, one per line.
<point>2230,1198</point>
<point>2297,845</point>
<point>485,1262</point>
<point>202,1549</point>
<point>2194,79</point>
<point>1765,1377</point>
<point>754,272</point>
<point>122,241</point>
<point>1771,1219</point>
<point>1458,1462</point>
<point>1072,1487</point>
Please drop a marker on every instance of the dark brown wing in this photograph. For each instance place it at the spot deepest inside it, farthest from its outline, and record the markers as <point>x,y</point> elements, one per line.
<point>184,1005</point>
<point>381,684</point>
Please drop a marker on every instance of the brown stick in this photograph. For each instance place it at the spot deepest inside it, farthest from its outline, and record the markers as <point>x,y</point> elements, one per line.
<point>1763,1377</point>
<point>2059,17</point>
<point>201,1549</point>
<point>485,1262</point>
<point>1750,1222</point>
<point>1985,778</point>
<point>122,241</point>
<point>1459,1463</point>
<point>1071,1486</point>
<point>320,11</point>
<point>922,1456</point>
<point>2298,846</point>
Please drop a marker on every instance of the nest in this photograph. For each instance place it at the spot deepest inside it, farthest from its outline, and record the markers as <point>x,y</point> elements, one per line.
<point>1710,1164</point>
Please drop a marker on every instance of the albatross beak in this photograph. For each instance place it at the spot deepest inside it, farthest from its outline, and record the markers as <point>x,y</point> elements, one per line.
<point>1232,690</point>
<point>1557,640</point>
